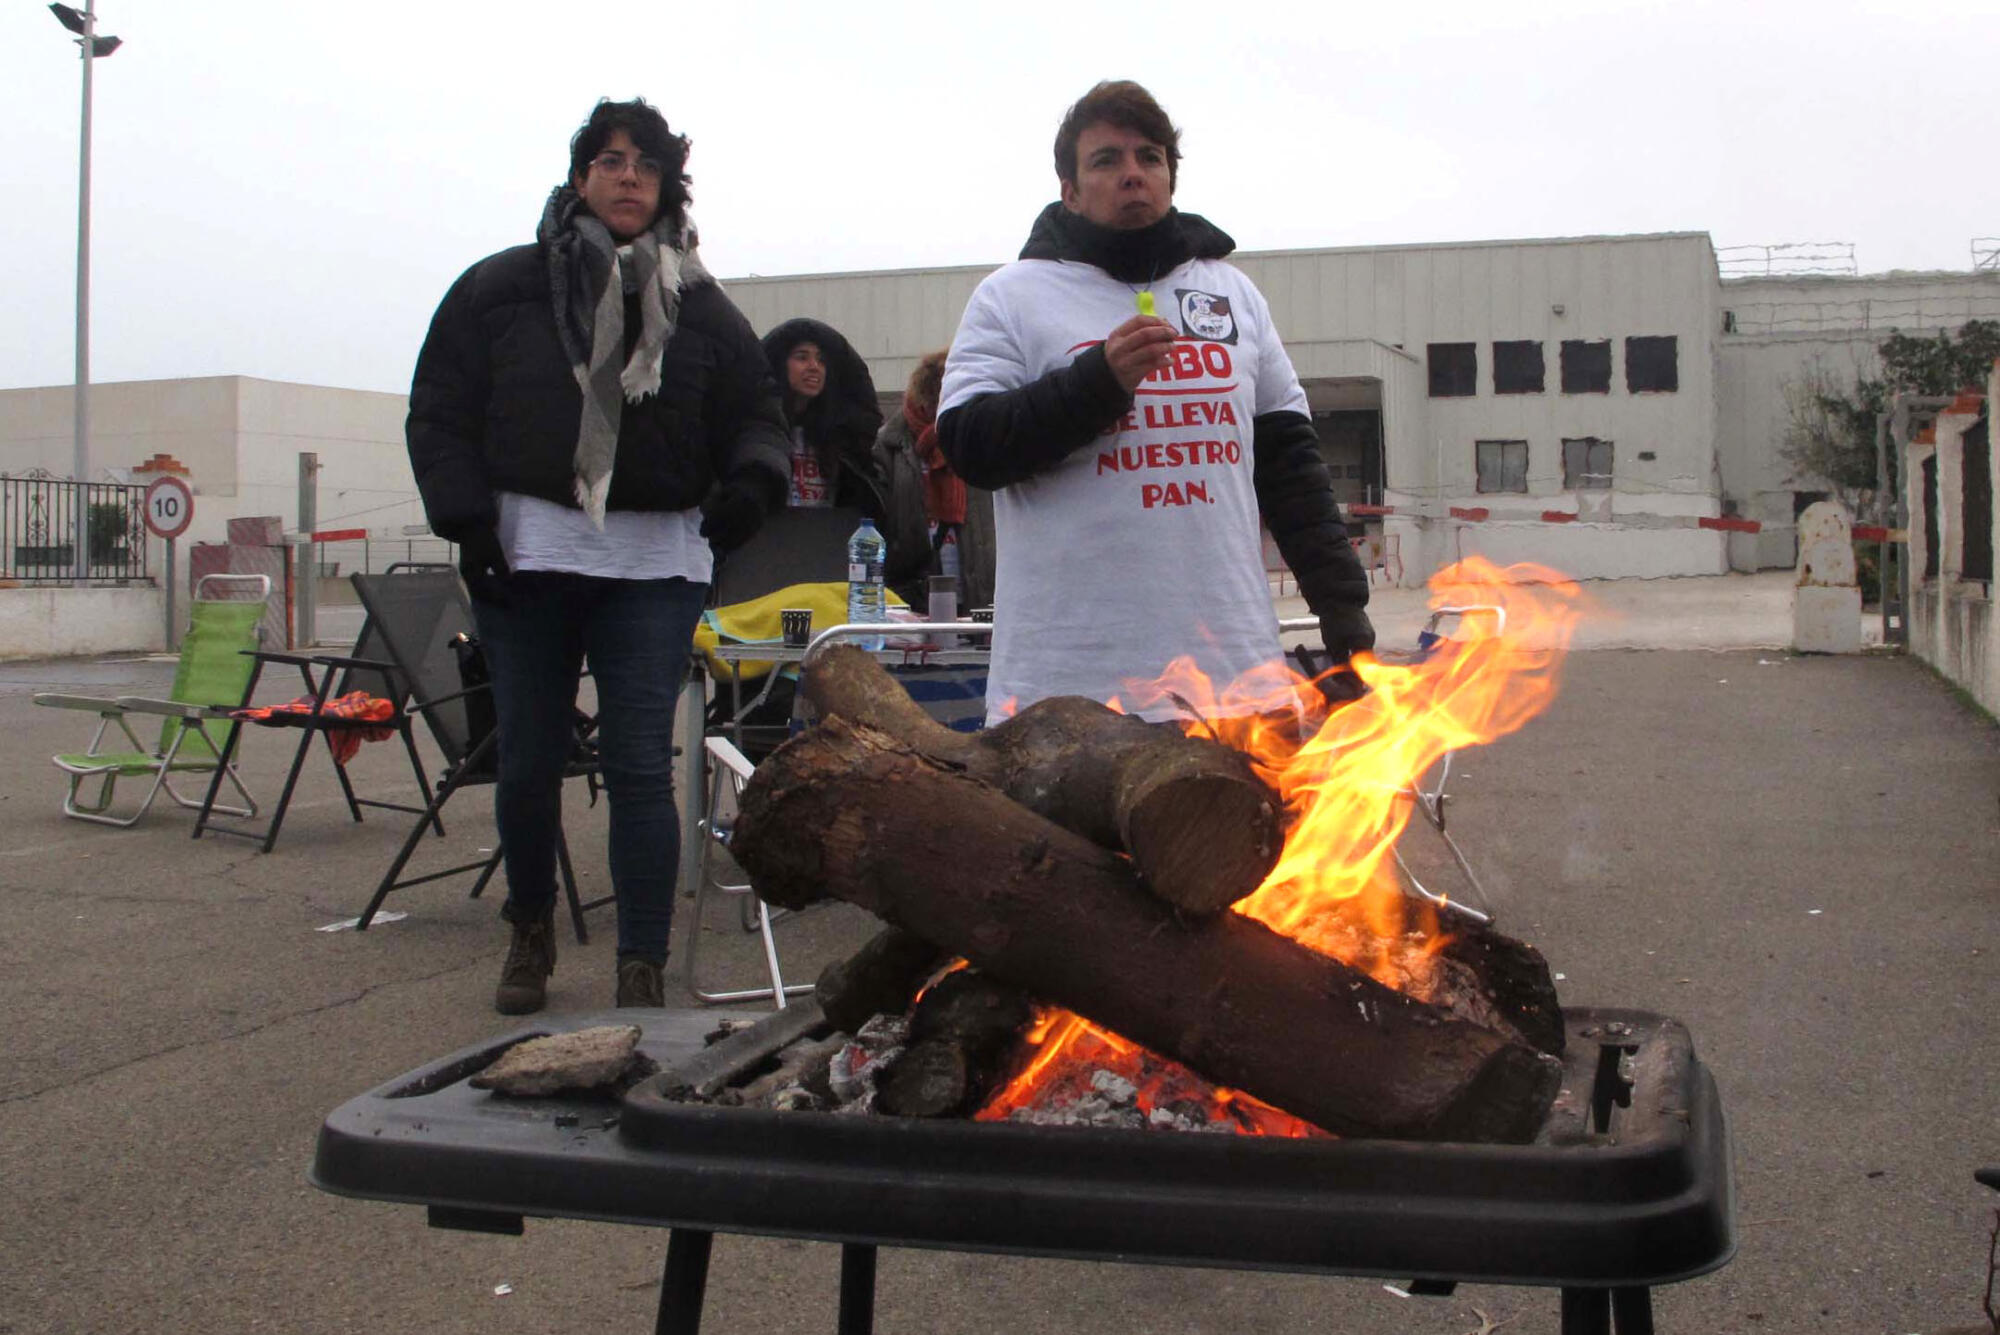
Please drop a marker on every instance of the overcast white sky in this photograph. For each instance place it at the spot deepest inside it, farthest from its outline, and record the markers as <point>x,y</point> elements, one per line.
<point>285,190</point>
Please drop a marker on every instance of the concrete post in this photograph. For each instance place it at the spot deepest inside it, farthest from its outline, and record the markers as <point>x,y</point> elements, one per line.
<point>307,600</point>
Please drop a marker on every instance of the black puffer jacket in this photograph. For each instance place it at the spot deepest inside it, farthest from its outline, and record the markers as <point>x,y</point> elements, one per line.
<point>494,406</point>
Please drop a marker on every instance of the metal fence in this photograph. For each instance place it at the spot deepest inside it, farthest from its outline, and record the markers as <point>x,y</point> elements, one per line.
<point>38,531</point>
<point>338,560</point>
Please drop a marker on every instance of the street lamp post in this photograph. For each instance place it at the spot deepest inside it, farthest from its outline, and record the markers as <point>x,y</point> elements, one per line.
<point>84,25</point>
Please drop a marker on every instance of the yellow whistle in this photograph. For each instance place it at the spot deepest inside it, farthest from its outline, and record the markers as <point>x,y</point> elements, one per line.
<point>1146,304</point>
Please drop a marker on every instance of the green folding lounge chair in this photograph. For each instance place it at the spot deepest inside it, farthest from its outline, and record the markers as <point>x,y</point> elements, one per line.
<point>215,676</point>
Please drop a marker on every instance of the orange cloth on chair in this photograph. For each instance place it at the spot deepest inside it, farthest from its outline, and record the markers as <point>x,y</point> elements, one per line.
<point>354,707</point>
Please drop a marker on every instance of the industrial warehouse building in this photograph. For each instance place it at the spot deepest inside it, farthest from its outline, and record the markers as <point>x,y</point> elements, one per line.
<point>1607,406</point>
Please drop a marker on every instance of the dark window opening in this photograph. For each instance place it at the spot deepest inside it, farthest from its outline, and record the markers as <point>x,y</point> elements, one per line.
<point>1978,526</point>
<point>1652,364</point>
<point>1517,367</point>
<point>1454,370</point>
<point>1502,465</point>
<point>1586,366</point>
<point>1930,518</point>
<point>1586,464</point>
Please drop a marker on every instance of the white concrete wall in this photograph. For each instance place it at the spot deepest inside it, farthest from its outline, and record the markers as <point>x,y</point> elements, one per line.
<point>364,478</point>
<point>892,317</point>
<point>1953,625</point>
<point>1905,301</point>
<point>1607,288</point>
<point>1753,416</point>
<point>240,439</point>
<point>130,421</point>
<point>1780,327</point>
<point>59,621</point>
<point>1580,550</point>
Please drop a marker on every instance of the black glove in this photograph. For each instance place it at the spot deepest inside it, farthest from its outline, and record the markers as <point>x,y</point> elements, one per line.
<point>732,514</point>
<point>480,552</point>
<point>1346,632</point>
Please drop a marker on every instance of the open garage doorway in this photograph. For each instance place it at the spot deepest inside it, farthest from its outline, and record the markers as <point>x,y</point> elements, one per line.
<point>1347,415</point>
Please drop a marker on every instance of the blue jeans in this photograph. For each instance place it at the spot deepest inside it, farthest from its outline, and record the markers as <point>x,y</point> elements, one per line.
<point>537,628</point>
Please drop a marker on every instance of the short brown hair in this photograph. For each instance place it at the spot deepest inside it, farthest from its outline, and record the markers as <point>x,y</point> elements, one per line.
<point>1126,105</point>
<point>927,381</point>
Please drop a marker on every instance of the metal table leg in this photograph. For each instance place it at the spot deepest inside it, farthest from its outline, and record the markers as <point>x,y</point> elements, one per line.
<point>684,1282</point>
<point>690,720</point>
<point>1632,1311</point>
<point>857,1288</point>
<point>1586,1312</point>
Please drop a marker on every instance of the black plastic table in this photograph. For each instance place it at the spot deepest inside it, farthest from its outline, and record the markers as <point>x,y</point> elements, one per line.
<point>1629,1185</point>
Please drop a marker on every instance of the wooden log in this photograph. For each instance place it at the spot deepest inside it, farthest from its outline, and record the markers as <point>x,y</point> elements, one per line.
<point>928,848</point>
<point>959,1031</point>
<point>1201,828</point>
<point>878,979</point>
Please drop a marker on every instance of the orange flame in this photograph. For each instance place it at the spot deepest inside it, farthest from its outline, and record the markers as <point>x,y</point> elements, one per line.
<point>1348,790</point>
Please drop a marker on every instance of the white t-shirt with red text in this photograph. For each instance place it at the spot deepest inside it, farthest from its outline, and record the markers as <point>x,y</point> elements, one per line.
<point>810,485</point>
<point>1144,545</point>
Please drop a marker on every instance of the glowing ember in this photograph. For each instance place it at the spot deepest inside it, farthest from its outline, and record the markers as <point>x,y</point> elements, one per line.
<point>1082,1074</point>
<point>1348,795</point>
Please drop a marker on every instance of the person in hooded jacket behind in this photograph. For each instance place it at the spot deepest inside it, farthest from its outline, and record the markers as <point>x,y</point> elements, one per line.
<point>835,421</point>
<point>591,419</point>
<point>1126,394</point>
<point>831,408</point>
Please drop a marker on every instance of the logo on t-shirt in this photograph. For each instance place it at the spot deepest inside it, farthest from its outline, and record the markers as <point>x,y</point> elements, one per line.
<point>1205,315</point>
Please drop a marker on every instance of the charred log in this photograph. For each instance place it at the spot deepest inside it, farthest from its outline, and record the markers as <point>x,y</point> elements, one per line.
<point>928,848</point>
<point>959,1030</point>
<point>1201,827</point>
<point>933,1079</point>
<point>878,979</point>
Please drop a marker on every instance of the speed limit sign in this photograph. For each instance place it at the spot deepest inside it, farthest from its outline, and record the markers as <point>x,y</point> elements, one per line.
<point>169,506</point>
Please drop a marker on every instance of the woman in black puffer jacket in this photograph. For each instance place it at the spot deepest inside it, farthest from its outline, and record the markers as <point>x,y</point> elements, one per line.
<point>590,420</point>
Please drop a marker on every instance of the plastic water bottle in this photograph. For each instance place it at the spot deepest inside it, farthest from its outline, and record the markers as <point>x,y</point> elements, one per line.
<point>867,598</point>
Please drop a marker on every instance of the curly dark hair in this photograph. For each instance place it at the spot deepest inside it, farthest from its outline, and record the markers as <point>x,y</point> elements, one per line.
<point>1125,104</point>
<point>927,381</point>
<point>649,132</point>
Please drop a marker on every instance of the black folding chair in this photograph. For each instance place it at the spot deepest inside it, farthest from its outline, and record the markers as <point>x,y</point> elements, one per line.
<point>328,678</point>
<point>796,545</point>
<point>420,611</point>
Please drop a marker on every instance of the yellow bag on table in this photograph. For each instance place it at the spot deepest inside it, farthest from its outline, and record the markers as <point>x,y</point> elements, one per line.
<point>757,622</point>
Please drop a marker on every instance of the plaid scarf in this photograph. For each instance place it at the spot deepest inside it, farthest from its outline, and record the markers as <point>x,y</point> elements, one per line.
<point>589,297</point>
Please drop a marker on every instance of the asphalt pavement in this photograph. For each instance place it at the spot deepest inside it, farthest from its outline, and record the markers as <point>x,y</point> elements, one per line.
<point>1796,856</point>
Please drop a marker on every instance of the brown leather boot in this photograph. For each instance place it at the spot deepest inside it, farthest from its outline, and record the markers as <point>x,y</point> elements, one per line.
<point>640,983</point>
<point>524,987</point>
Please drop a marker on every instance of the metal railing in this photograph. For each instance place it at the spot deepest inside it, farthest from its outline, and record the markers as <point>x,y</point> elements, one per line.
<point>339,559</point>
<point>38,531</point>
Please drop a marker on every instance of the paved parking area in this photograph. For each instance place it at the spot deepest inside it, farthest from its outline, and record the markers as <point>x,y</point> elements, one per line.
<point>1796,856</point>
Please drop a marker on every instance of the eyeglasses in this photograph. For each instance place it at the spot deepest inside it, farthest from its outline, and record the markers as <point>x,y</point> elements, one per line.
<point>615,164</point>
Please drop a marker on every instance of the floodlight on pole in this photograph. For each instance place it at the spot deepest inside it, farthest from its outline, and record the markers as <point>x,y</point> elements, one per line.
<point>84,24</point>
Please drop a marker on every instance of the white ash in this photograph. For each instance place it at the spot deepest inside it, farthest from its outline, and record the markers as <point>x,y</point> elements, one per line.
<point>1115,1088</point>
<point>861,1062</point>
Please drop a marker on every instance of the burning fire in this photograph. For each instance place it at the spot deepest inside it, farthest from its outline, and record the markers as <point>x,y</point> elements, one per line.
<point>1348,795</point>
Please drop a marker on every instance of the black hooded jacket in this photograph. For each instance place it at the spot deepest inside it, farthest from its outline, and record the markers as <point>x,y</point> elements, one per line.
<point>996,440</point>
<point>842,422</point>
